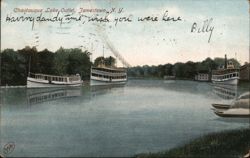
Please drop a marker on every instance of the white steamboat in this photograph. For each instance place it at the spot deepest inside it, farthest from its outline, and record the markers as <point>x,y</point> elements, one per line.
<point>107,76</point>
<point>43,80</point>
<point>227,75</point>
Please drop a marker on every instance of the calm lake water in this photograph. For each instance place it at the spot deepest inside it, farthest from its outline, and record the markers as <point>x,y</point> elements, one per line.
<point>142,116</point>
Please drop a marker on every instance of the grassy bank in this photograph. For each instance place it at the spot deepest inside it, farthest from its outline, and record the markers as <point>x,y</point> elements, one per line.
<point>226,144</point>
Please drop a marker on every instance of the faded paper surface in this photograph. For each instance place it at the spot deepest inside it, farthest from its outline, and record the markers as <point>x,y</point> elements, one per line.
<point>166,48</point>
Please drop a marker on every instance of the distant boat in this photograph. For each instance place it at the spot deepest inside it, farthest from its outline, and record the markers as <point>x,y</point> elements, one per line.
<point>239,108</point>
<point>166,77</point>
<point>103,75</point>
<point>44,80</point>
<point>227,75</point>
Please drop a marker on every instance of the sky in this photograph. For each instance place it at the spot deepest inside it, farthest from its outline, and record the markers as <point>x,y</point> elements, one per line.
<point>139,43</point>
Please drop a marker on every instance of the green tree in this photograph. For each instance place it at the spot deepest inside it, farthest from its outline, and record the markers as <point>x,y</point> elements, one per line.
<point>221,61</point>
<point>179,69</point>
<point>79,63</point>
<point>169,68</point>
<point>189,70</point>
<point>99,61</point>
<point>72,61</point>
<point>108,61</point>
<point>61,61</point>
<point>31,58</point>
<point>161,71</point>
<point>45,62</point>
<point>13,69</point>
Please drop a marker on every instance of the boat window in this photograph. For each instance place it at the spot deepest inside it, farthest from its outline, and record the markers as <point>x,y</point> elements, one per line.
<point>93,74</point>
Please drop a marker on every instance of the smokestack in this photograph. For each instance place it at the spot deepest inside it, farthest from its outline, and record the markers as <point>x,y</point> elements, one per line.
<point>225,65</point>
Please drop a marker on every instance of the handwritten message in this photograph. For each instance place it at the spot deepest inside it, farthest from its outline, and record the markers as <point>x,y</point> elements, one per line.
<point>113,16</point>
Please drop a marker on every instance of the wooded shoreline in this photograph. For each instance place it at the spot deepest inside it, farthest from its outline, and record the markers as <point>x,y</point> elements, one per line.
<point>15,65</point>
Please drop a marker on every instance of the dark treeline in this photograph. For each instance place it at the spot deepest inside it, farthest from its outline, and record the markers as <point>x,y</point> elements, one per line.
<point>15,64</point>
<point>179,70</point>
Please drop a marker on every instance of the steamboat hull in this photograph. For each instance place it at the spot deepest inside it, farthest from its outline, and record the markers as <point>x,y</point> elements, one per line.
<point>33,83</point>
<point>94,82</point>
<point>232,81</point>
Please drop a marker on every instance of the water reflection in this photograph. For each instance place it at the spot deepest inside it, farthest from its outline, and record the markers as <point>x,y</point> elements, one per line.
<point>19,98</point>
<point>173,85</point>
<point>110,121</point>
<point>35,96</point>
<point>225,91</point>
<point>105,89</point>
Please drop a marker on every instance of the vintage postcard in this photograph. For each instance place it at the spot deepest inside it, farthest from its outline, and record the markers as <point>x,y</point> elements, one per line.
<point>125,78</point>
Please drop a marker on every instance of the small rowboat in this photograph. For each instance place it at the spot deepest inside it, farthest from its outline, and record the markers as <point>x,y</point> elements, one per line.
<point>221,106</point>
<point>239,108</point>
<point>233,113</point>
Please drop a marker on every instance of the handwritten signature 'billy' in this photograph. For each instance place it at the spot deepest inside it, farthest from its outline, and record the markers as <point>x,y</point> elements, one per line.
<point>204,29</point>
